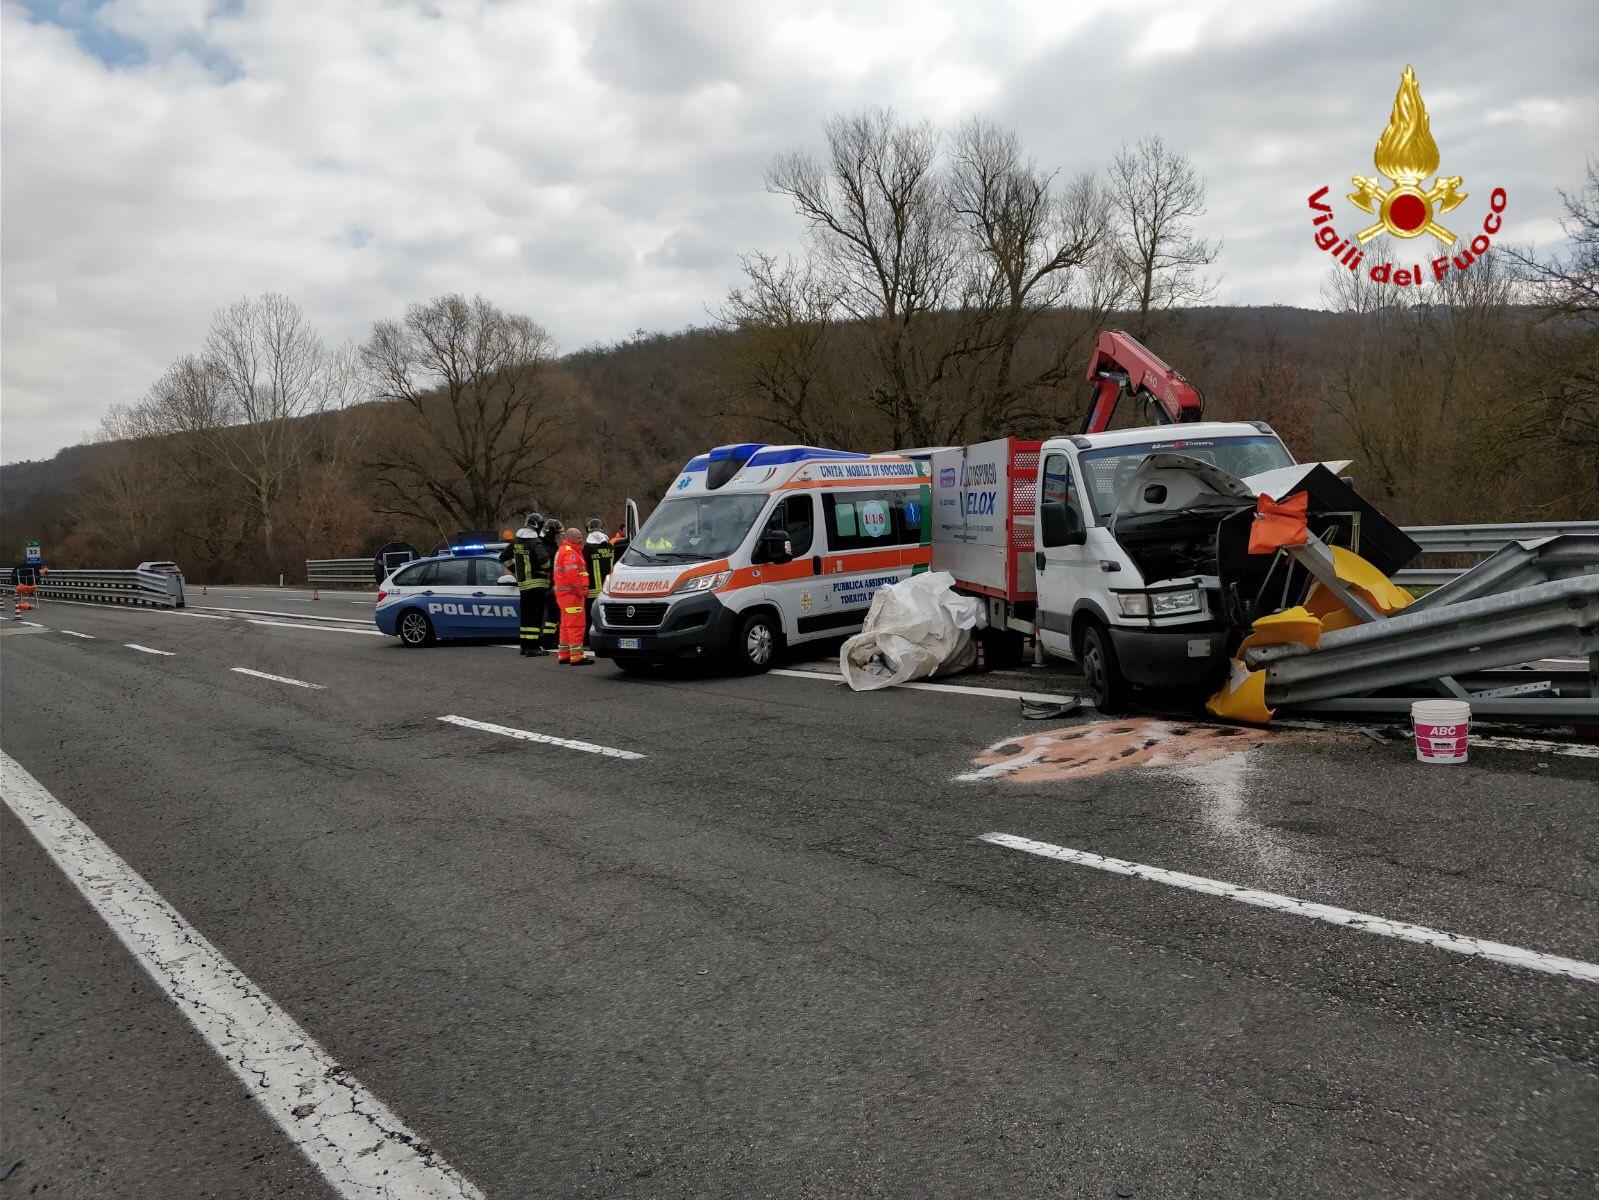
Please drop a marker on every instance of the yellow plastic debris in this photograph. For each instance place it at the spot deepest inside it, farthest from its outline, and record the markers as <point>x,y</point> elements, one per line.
<point>1242,697</point>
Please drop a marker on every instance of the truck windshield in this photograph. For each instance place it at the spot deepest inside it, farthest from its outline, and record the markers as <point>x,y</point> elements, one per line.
<point>694,529</point>
<point>1106,472</point>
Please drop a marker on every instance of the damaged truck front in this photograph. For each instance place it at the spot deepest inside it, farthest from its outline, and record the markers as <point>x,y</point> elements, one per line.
<point>1129,551</point>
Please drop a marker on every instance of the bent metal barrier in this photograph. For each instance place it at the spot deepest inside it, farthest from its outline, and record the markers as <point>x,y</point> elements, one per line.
<point>151,589</point>
<point>343,572</point>
<point>1480,540</point>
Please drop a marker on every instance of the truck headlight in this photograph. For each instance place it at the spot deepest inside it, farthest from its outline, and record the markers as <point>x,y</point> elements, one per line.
<point>1169,604</point>
<point>1134,604</point>
<point>702,583</point>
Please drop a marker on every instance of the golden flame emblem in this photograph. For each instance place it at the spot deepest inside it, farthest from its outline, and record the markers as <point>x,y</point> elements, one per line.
<point>1406,154</point>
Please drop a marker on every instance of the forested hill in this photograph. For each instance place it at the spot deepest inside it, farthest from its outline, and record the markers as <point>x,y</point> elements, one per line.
<point>1451,415</point>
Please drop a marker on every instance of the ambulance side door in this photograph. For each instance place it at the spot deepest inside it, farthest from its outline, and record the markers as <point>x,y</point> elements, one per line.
<point>867,532</point>
<point>794,585</point>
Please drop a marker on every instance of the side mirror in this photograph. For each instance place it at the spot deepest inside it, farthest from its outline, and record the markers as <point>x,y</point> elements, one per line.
<point>775,547</point>
<point>1062,524</point>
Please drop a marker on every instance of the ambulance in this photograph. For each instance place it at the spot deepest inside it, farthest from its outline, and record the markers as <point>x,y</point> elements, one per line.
<point>757,547</point>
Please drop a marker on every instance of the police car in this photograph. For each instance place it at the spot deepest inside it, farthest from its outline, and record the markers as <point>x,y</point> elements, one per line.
<point>448,596</point>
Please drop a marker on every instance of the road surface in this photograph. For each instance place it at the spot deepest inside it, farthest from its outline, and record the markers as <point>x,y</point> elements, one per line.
<point>706,936</point>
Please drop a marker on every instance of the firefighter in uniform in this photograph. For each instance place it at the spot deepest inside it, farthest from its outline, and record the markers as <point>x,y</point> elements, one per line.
<point>551,536</point>
<point>571,592</point>
<point>601,560</point>
<point>529,562</point>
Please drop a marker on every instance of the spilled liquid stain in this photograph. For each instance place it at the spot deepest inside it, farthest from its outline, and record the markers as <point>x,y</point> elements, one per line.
<point>1085,751</point>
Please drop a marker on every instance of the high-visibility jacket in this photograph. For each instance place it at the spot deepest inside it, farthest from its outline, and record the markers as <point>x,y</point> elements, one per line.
<point>529,562</point>
<point>571,572</point>
<point>601,561</point>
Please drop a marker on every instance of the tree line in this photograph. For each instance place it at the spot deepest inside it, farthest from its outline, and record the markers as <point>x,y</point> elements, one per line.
<point>948,289</point>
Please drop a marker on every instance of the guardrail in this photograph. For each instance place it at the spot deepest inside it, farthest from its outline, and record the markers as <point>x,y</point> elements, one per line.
<point>150,589</point>
<point>1485,539</point>
<point>1479,540</point>
<point>339,571</point>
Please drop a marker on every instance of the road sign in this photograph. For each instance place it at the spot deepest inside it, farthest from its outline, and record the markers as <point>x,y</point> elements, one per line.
<point>32,550</point>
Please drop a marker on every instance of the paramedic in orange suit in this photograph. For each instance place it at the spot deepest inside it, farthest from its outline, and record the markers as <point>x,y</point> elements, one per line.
<point>571,597</point>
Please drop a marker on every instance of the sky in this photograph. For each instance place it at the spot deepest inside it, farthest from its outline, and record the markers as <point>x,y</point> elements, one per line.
<point>597,164</point>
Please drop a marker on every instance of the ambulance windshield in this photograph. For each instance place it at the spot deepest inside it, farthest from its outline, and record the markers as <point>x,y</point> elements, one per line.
<point>694,529</point>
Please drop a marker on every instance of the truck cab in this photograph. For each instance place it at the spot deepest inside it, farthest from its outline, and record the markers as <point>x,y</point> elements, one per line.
<point>1107,547</point>
<point>1128,584</point>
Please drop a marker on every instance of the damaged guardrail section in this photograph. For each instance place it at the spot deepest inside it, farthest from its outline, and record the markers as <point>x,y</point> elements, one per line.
<point>1547,620</point>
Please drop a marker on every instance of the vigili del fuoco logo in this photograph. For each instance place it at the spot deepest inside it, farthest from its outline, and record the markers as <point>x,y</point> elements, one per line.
<point>1407,155</point>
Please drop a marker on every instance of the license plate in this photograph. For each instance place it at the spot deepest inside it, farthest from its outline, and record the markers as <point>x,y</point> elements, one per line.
<point>630,643</point>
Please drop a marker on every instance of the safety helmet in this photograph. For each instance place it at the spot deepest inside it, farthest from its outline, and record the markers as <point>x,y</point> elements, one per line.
<point>534,521</point>
<point>595,525</point>
<point>552,525</point>
<point>525,534</point>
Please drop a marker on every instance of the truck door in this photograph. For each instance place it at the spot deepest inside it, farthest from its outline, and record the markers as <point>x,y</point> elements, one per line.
<point>1064,570</point>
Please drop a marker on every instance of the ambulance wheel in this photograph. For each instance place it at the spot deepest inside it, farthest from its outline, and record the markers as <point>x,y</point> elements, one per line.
<point>415,629</point>
<point>1101,672</point>
<point>756,643</point>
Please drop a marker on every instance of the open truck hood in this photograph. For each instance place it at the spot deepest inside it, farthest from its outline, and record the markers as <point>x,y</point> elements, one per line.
<point>1180,516</point>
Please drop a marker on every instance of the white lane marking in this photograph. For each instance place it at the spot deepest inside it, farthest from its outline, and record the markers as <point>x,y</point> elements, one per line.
<point>35,624</point>
<point>149,650</point>
<point>1538,745</point>
<point>269,612</point>
<point>956,688</point>
<point>359,1145</point>
<point>276,678</point>
<point>88,637</point>
<point>1514,956</point>
<point>548,740</point>
<point>317,628</point>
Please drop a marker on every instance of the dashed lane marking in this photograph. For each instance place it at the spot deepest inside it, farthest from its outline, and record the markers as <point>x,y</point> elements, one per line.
<point>276,678</point>
<point>358,1144</point>
<point>149,650</point>
<point>527,735</point>
<point>954,688</point>
<point>1514,956</point>
<point>88,637</point>
<point>316,628</point>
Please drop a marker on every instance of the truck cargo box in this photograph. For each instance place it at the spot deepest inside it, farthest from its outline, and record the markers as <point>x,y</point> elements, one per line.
<point>982,531</point>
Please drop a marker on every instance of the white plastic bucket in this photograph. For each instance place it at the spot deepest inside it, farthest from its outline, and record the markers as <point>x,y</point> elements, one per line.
<point>1443,727</point>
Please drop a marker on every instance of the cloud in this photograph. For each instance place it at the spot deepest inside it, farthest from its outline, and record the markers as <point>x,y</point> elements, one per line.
<point>598,165</point>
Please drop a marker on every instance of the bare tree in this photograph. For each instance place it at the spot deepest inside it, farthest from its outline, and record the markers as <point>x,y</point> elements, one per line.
<point>917,313</point>
<point>475,422</point>
<point>1569,286</point>
<point>783,349</point>
<point>882,240</point>
<point>1034,246</point>
<point>1158,195</point>
<point>272,372</point>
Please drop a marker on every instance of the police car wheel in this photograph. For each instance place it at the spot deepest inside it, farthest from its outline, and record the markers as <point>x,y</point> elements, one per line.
<point>415,629</point>
<point>755,644</point>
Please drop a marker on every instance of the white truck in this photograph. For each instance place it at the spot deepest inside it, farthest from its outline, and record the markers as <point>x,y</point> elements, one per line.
<point>1124,551</point>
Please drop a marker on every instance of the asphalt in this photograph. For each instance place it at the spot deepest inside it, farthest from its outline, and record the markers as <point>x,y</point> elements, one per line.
<point>772,957</point>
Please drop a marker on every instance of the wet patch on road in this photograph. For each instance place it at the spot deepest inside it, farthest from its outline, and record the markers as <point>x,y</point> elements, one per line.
<point>1086,751</point>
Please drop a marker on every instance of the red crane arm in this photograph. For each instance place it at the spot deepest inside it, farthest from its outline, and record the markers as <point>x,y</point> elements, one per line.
<point>1122,365</point>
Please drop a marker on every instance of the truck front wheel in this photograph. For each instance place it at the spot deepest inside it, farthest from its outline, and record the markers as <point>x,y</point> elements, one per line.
<point>1101,671</point>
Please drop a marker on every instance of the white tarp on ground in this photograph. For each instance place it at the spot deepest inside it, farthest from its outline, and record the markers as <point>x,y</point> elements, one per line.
<point>916,628</point>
